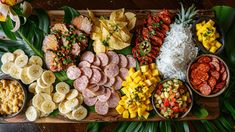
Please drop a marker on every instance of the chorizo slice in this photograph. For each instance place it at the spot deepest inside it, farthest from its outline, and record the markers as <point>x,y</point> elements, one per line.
<point>113,57</point>
<point>123,60</point>
<point>203,67</point>
<point>194,66</point>
<point>222,70</point>
<point>224,76</point>
<point>205,89</point>
<point>111,70</point>
<point>215,63</point>
<point>88,56</point>
<point>113,100</point>
<point>101,108</point>
<point>204,59</point>
<point>220,85</point>
<point>103,58</point>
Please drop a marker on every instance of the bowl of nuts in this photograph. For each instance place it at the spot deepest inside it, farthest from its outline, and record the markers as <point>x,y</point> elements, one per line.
<point>13,96</point>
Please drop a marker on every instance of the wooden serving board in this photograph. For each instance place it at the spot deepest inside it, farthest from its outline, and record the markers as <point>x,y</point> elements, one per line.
<point>211,104</point>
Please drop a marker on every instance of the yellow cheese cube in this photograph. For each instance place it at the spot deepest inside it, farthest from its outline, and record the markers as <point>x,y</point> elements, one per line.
<point>137,73</point>
<point>155,72</point>
<point>218,44</point>
<point>213,49</point>
<point>133,115</point>
<point>144,68</point>
<point>119,109</point>
<point>125,114</point>
<point>131,71</point>
<point>152,66</point>
<point>137,79</point>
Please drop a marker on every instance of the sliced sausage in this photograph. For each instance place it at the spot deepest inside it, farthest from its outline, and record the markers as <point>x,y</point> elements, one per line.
<point>84,64</point>
<point>194,66</point>
<point>224,76</point>
<point>204,59</point>
<point>96,67</point>
<point>212,82</point>
<point>220,85</point>
<point>101,108</point>
<point>205,89</point>
<point>123,60</point>
<point>81,83</point>
<point>215,74</point>
<point>73,72</point>
<point>123,73</point>
<point>96,76</point>
<point>113,57</point>
<point>87,71</point>
<point>103,80</point>
<point>118,83</point>
<point>86,93</point>
<point>110,82</point>
<point>204,67</point>
<point>76,49</point>
<point>222,70</point>
<point>93,88</point>
<point>103,58</point>
<point>105,96</point>
<point>97,61</point>
<point>111,70</point>
<point>131,61</point>
<point>88,56</point>
<point>113,100</point>
<point>90,101</point>
<point>216,65</point>
<point>101,91</point>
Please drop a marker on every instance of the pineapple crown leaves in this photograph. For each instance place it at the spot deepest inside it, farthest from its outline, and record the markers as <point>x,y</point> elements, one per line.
<point>185,17</point>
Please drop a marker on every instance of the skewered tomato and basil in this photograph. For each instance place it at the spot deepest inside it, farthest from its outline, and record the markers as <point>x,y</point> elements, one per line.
<point>150,36</point>
<point>172,99</point>
<point>137,90</point>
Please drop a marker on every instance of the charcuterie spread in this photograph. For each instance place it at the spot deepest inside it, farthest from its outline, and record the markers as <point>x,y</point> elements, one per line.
<point>97,65</point>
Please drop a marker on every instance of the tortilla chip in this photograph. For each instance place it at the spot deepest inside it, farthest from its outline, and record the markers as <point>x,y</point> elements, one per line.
<point>131,24</point>
<point>117,44</point>
<point>98,46</point>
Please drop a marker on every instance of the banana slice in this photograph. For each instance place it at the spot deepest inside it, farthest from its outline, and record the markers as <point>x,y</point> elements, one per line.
<point>69,115</point>
<point>48,106</point>
<point>79,113</point>
<point>80,98</point>
<point>7,57</point>
<point>42,84</point>
<point>35,60</point>
<point>37,101</point>
<point>15,72</point>
<point>58,97</point>
<point>73,93</point>
<point>62,88</point>
<point>48,77</point>
<point>6,67</point>
<point>71,104</point>
<point>47,90</point>
<point>43,114</point>
<point>24,76</point>
<point>46,96</point>
<point>32,87</point>
<point>18,52</point>
<point>34,71</point>
<point>63,109</point>
<point>32,114</point>
<point>21,60</point>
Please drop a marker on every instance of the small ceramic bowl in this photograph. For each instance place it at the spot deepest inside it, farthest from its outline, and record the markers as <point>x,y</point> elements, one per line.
<point>210,95</point>
<point>218,29</point>
<point>7,77</point>
<point>156,109</point>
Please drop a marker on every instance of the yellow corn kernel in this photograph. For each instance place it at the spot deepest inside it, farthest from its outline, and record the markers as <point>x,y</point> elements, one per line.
<point>218,44</point>
<point>133,115</point>
<point>155,72</point>
<point>137,79</point>
<point>145,114</point>
<point>131,71</point>
<point>119,109</point>
<point>152,66</point>
<point>148,82</point>
<point>144,68</point>
<point>213,49</point>
<point>125,114</point>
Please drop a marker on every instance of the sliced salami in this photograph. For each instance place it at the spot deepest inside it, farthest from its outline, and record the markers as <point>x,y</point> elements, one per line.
<point>215,64</point>
<point>204,59</point>
<point>88,56</point>
<point>73,72</point>
<point>97,61</point>
<point>105,96</point>
<point>111,70</point>
<point>123,60</point>
<point>103,80</point>
<point>113,57</point>
<point>113,100</point>
<point>96,76</point>
<point>215,74</point>
<point>222,68</point>
<point>212,82</point>
<point>81,83</point>
<point>123,73</point>
<point>131,61</point>
<point>205,89</point>
<point>220,85</point>
<point>118,83</point>
<point>90,101</point>
<point>87,71</point>
<point>224,76</point>
<point>101,108</point>
<point>84,64</point>
<point>110,82</point>
<point>103,58</point>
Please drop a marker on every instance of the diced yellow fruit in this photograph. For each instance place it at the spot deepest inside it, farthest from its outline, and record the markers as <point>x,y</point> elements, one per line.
<point>124,83</point>
<point>131,71</point>
<point>125,90</point>
<point>152,66</point>
<point>133,115</point>
<point>137,79</point>
<point>148,101</point>
<point>211,22</point>
<point>120,109</point>
<point>145,89</point>
<point>198,26</point>
<point>155,72</point>
<point>121,102</point>
<point>125,114</point>
<point>133,85</point>
<point>124,98</point>
<point>146,115</point>
<point>148,82</point>
<point>128,79</point>
<point>213,49</point>
<point>137,73</point>
<point>206,45</point>
<point>218,44</point>
<point>144,68</point>
<point>154,80</point>
<point>184,98</point>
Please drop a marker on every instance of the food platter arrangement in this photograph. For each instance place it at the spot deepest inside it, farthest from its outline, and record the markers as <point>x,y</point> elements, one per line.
<point>117,67</point>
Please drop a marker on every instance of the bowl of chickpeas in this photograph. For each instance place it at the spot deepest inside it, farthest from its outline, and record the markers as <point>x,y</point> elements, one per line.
<point>13,97</point>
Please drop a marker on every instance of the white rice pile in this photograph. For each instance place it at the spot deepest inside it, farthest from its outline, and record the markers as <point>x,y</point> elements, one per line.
<point>177,52</point>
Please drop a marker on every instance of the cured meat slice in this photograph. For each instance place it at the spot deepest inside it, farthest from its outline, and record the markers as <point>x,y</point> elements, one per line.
<point>88,56</point>
<point>220,85</point>
<point>118,83</point>
<point>93,88</point>
<point>194,66</point>
<point>111,70</point>
<point>104,97</point>
<point>197,75</point>
<point>123,73</point>
<point>87,71</point>
<point>81,83</point>
<point>215,63</point>
<point>103,58</point>
<point>222,68</point>
<point>203,67</point>
<point>113,100</point>
<point>101,108</point>
<point>96,67</point>
<point>131,61</point>
<point>110,82</point>
<point>96,76</point>
<point>73,72</point>
<point>113,57</point>
<point>103,80</point>
<point>204,59</point>
<point>212,82</point>
<point>88,93</point>
<point>205,89</point>
<point>215,74</point>
<point>90,101</point>
<point>101,91</point>
<point>84,64</point>
<point>224,76</point>
<point>123,62</point>
<point>97,61</point>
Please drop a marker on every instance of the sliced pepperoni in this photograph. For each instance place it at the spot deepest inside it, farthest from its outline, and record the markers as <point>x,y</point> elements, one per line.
<point>204,59</point>
<point>113,100</point>
<point>97,61</point>
<point>215,74</point>
<point>103,80</point>
<point>73,72</point>
<point>212,82</point>
<point>87,71</point>
<point>101,91</point>
<point>101,108</point>
<point>123,60</point>
<point>110,82</point>
<point>96,76</point>
<point>215,64</point>
<point>205,89</point>
<point>111,70</point>
<point>84,64</point>
<point>222,70</point>
<point>123,73</point>
<point>90,101</point>
<point>118,83</point>
<point>81,83</point>
<point>203,67</point>
<point>199,75</point>
<point>224,76</point>
<point>105,96</point>
<point>194,66</point>
<point>220,85</point>
<point>131,61</point>
<point>113,57</point>
<point>103,58</point>
<point>88,56</point>
<point>196,82</point>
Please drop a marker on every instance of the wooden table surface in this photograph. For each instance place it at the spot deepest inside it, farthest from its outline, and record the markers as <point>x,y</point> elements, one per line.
<point>102,4</point>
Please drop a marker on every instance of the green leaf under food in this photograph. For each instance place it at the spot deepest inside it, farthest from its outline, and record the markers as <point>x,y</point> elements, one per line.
<point>210,127</point>
<point>125,51</point>
<point>94,126</point>
<point>55,113</point>
<point>199,111</point>
<point>43,20</point>
<point>69,14</point>
<point>122,126</point>
<point>133,127</point>
<point>230,108</point>
<point>62,77</point>
<point>7,27</point>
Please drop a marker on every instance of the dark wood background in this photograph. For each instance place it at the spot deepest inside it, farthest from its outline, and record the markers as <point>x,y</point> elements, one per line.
<point>102,4</point>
